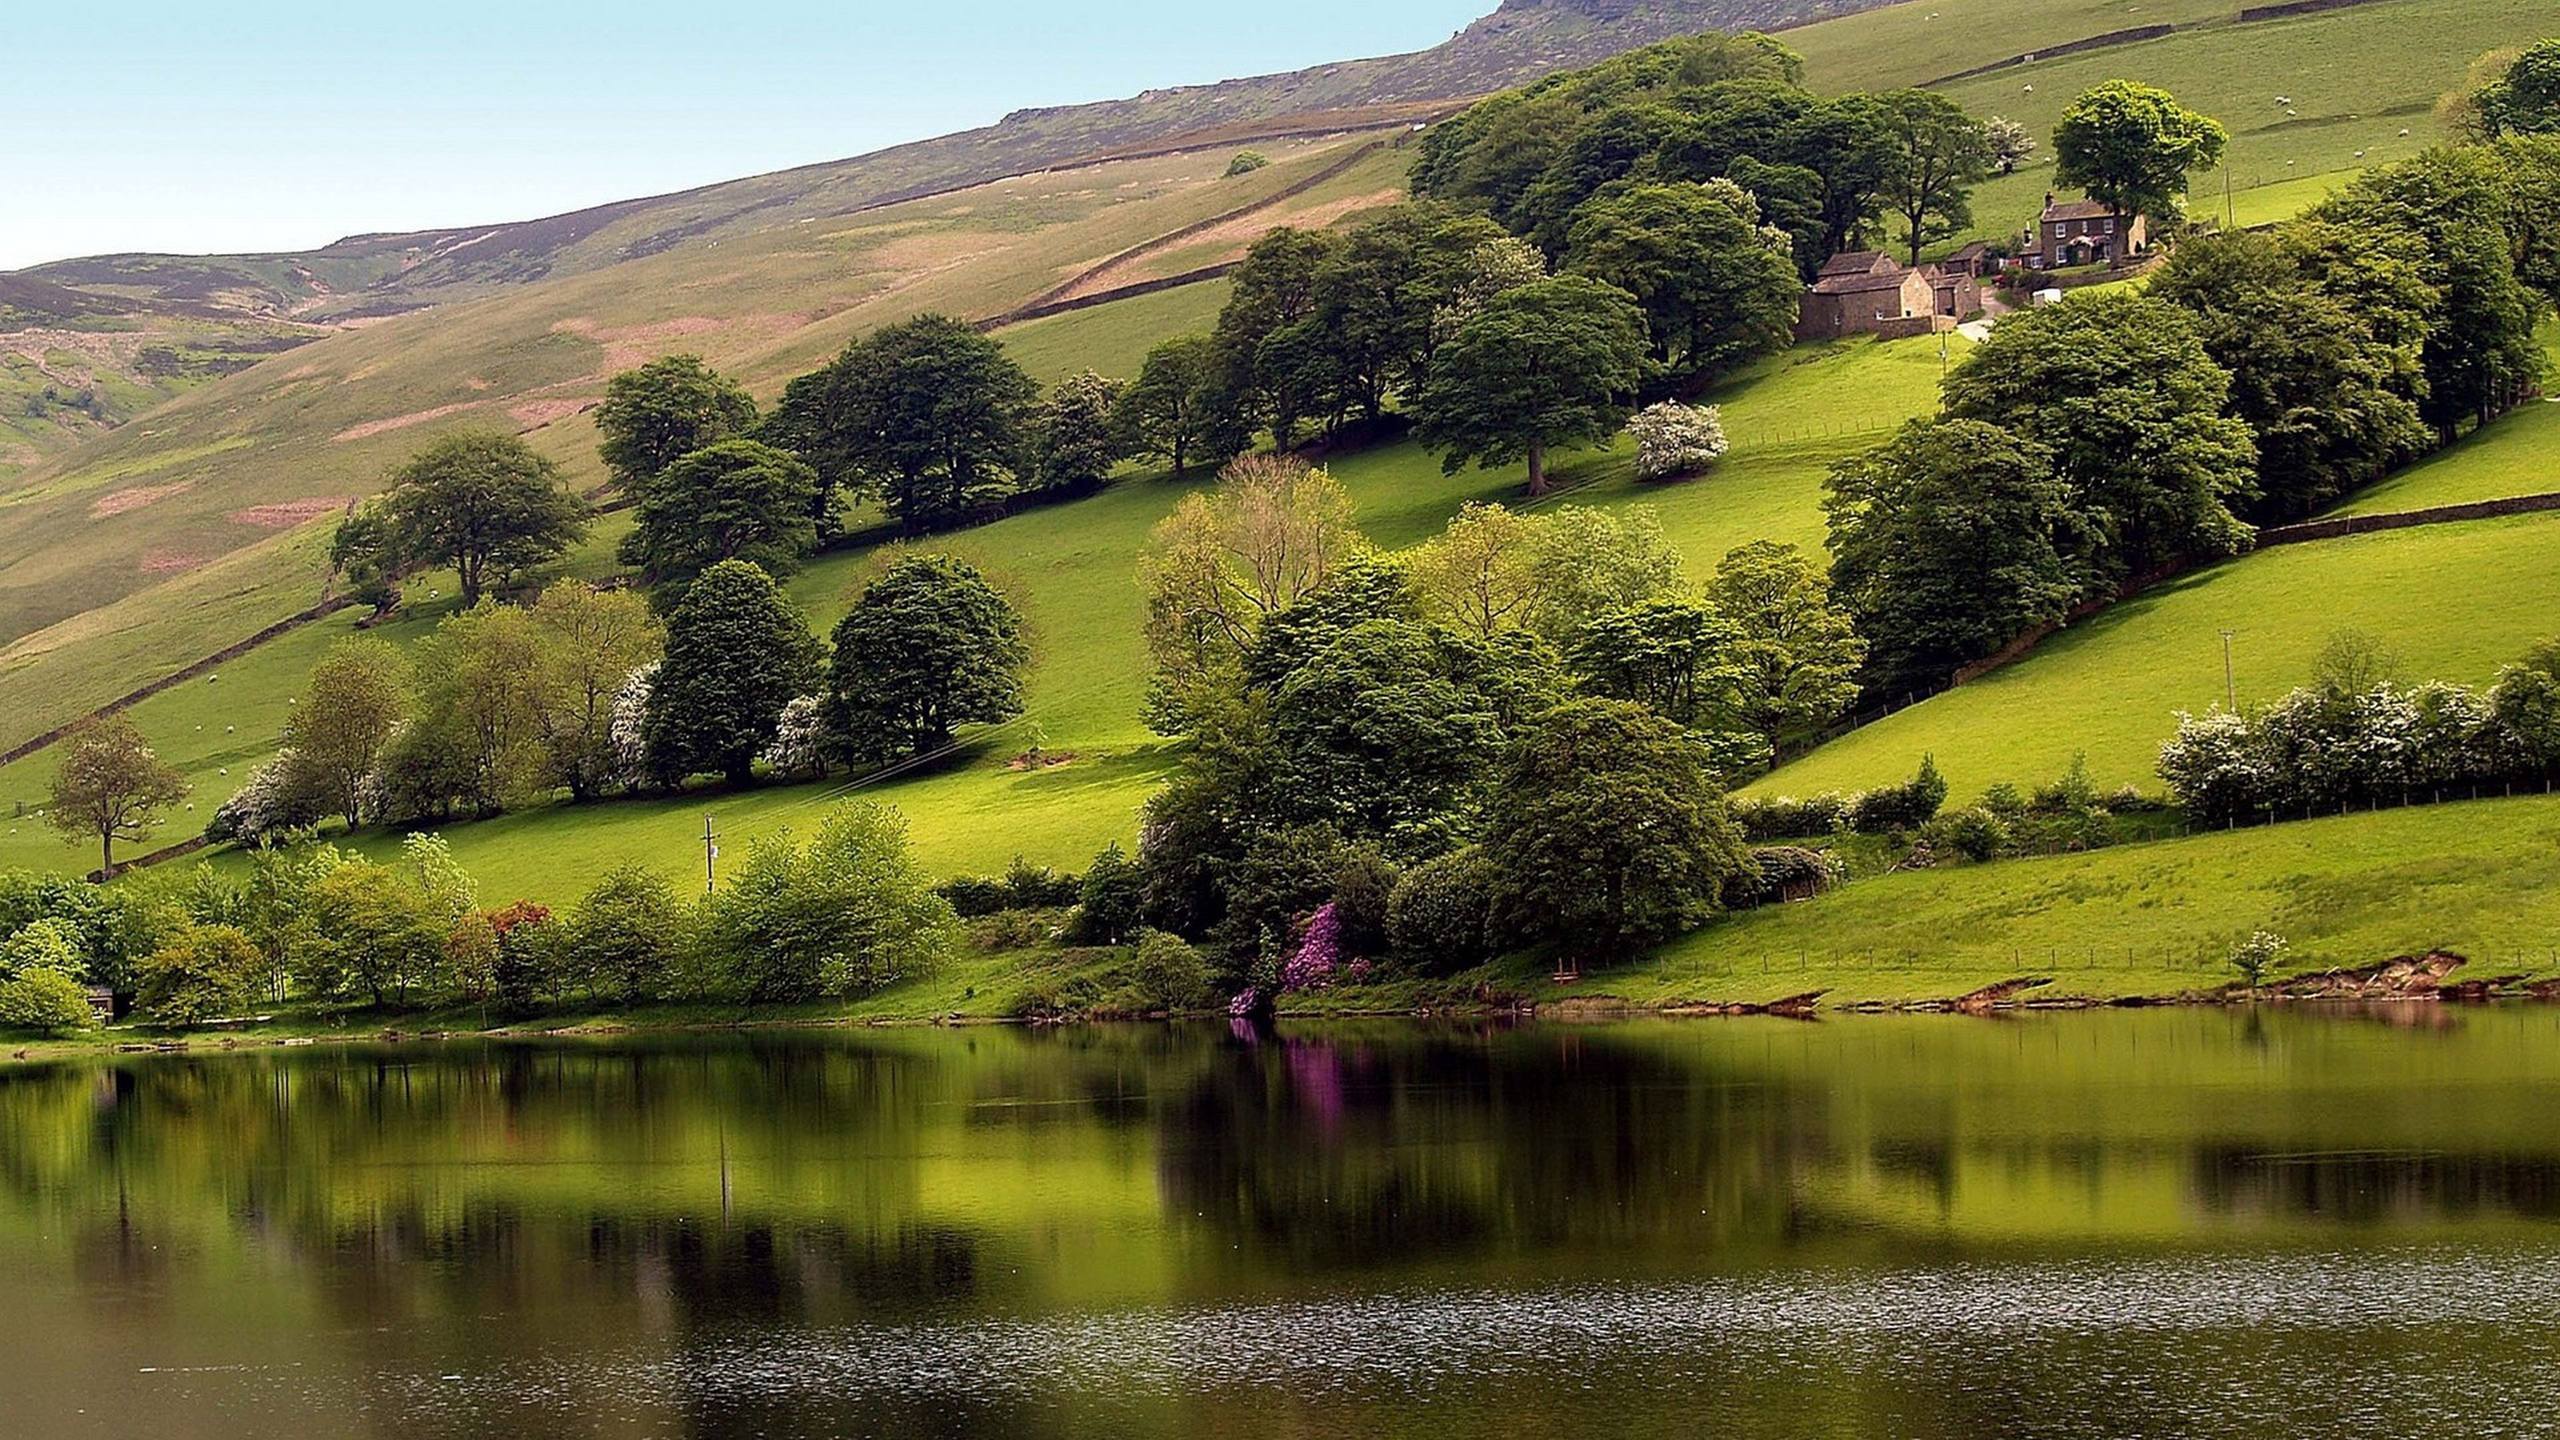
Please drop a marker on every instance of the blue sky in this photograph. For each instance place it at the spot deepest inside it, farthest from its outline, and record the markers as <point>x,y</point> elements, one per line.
<point>219,126</point>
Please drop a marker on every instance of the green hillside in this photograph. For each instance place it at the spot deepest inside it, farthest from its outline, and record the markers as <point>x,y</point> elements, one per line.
<point>174,536</point>
<point>2480,879</point>
<point>227,465</point>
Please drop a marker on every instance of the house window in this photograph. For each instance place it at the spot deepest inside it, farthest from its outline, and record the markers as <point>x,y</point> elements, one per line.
<point>2111,226</point>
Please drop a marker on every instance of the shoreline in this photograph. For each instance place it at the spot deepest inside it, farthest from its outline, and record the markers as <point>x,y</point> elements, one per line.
<point>2407,980</point>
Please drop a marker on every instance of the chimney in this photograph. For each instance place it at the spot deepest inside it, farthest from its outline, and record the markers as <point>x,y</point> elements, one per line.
<point>2048,199</point>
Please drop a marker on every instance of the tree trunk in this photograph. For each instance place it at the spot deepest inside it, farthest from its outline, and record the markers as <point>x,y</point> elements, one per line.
<point>106,855</point>
<point>1537,468</point>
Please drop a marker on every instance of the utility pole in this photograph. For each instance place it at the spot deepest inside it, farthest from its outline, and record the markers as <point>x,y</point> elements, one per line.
<point>711,851</point>
<point>2230,687</point>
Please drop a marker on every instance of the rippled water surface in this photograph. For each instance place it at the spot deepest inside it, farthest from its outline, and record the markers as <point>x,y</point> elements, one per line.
<point>2153,1224</point>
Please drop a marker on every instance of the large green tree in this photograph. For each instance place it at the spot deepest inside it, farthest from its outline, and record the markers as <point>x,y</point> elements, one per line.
<point>1380,733</point>
<point>475,740</point>
<point>2446,213</point>
<point>1555,362</point>
<point>2531,167</point>
<point>1607,830</point>
<point>851,911</point>
<point>928,414</point>
<point>1179,408</point>
<point>1714,286</point>
<point>1940,154</point>
<point>929,647</point>
<point>734,500</point>
<point>1795,651</point>
<point>110,785</point>
<point>667,409</point>
<point>2525,100</point>
<point>1077,439</point>
<point>2120,390</point>
<point>587,641</point>
<point>355,700</point>
<point>482,502</point>
<point>1671,656</point>
<point>737,651</point>
<point>2131,146</point>
<point>1949,541</point>
<point>2323,379</point>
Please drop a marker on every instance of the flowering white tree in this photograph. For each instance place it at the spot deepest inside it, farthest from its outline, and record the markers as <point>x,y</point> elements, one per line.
<point>630,728</point>
<point>798,740</point>
<point>1673,439</point>
<point>272,801</point>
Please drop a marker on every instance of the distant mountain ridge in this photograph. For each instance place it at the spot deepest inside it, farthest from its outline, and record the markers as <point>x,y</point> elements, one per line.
<point>379,274</point>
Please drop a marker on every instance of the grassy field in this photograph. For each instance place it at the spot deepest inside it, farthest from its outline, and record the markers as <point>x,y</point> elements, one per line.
<point>233,461</point>
<point>2481,879</point>
<point>2454,602</point>
<point>1070,570</point>
<point>2357,79</point>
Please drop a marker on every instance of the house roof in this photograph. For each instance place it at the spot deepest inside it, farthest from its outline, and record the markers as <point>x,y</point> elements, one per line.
<point>1861,283</point>
<point>1970,250</point>
<point>2076,210</point>
<point>1857,262</point>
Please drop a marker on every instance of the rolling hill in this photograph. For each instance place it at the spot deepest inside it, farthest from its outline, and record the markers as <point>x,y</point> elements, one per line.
<point>177,535</point>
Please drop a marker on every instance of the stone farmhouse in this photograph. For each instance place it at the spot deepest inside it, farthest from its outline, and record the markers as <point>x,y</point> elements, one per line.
<point>1867,292</point>
<point>2082,232</point>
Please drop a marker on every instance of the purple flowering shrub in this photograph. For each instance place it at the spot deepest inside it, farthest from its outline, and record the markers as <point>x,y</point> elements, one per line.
<point>1312,967</point>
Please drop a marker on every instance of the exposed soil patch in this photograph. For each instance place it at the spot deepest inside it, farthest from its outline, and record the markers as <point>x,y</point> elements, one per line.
<point>1044,760</point>
<point>135,498</point>
<point>161,560</point>
<point>397,422</point>
<point>628,345</point>
<point>534,414</point>
<point>285,514</point>
<point>1229,238</point>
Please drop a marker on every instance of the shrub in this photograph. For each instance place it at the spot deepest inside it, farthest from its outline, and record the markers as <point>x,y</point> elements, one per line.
<point>1108,902</point>
<point>1037,887</point>
<point>1974,832</point>
<point>1364,883</point>
<point>1025,886</point>
<point>2257,955</point>
<point>1439,912</point>
<point>1246,162</point>
<point>1906,806</point>
<point>46,1001</point>
<point>2074,791</point>
<point>845,916</point>
<point>1319,954</point>
<point>528,964</point>
<point>202,973</point>
<point>2126,800</point>
<point>272,803</point>
<point>1784,817</point>
<point>1674,440</point>
<point>799,740</point>
<point>973,895</point>
<point>1780,872</point>
<point>50,944</point>
<point>1167,973</point>
<point>621,939</point>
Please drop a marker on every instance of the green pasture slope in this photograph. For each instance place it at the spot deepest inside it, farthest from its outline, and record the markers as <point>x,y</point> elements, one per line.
<point>2449,597</point>
<point>2481,879</point>
<point>2356,77</point>
<point>2453,601</point>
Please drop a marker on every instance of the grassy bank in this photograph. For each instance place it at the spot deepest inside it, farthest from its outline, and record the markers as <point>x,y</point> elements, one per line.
<point>2481,879</point>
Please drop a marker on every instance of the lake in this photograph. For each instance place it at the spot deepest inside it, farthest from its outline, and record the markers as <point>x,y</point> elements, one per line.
<point>2188,1223</point>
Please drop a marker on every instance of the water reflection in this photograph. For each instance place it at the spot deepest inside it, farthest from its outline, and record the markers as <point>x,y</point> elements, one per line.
<point>1925,1226</point>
